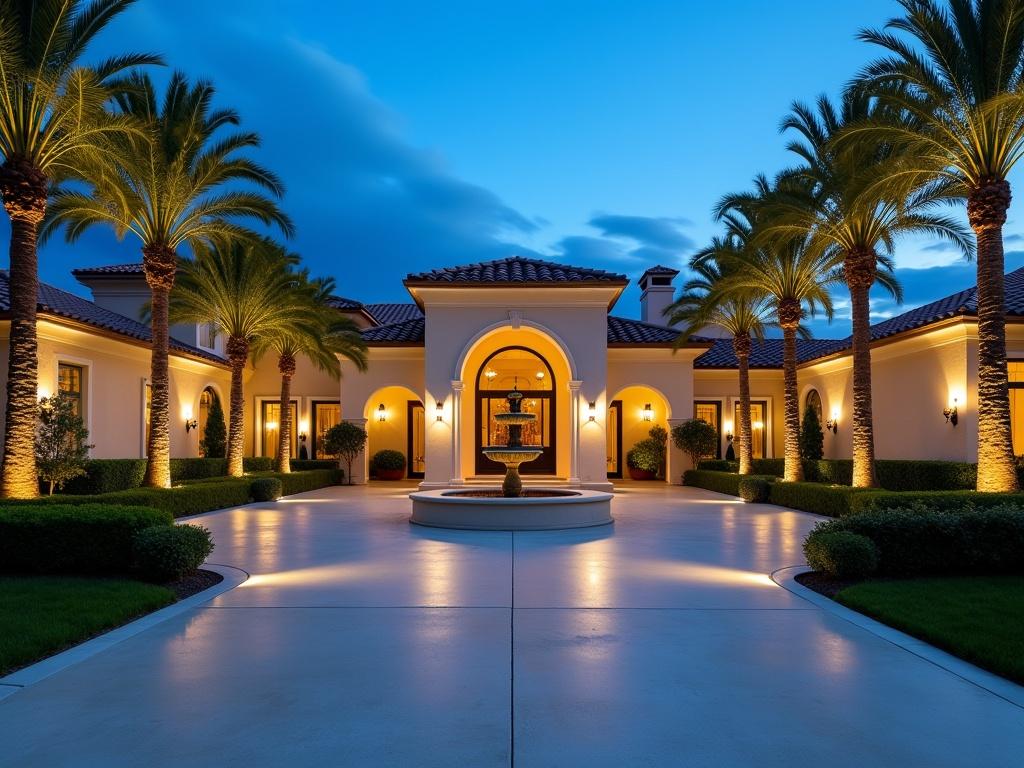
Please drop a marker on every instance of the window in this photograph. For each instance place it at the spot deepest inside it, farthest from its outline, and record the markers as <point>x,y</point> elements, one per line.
<point>208,335</point>
<point>813,400</point>
<point>710,411</point>
<point>1015,369</point>
<point>325,416</point>
<point>272,427</point>
<point>71,382</point>
<point>758,428</point>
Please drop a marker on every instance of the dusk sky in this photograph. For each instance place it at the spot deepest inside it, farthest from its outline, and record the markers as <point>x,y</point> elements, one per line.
<point>421,135</point>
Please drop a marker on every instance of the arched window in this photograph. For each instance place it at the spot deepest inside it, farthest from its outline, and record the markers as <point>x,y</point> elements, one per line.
<point>522,369</point>
<point>813,400</point>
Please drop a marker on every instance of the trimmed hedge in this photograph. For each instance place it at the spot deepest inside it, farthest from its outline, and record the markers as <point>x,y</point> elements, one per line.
<point>719,482</point>
<point>257,464</point>
<point>64,538</point>
<point>107,476</point>
<point>916,541</point>
<point>265,489</point>
<point>841,554</point>
<point>197,469</point>
<point>893,474</point>
<point>172,552</point>
<point>938,501</point>
<point>310,480</point>
<point>303,465</point>
<point>828,500</point>
<point>754,489</point>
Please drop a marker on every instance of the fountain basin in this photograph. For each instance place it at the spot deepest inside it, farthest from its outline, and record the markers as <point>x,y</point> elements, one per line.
<point>486,509</point>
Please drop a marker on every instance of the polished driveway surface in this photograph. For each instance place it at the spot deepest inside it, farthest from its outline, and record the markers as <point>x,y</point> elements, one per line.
<point>360,640</point>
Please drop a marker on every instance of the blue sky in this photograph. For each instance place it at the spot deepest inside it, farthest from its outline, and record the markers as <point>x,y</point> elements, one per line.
<point>421,135</point>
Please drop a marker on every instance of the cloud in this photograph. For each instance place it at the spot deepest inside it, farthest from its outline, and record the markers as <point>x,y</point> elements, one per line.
<point>656,233</point>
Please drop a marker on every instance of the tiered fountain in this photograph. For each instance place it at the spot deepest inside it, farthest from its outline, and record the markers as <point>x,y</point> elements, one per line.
<point>508,508</point>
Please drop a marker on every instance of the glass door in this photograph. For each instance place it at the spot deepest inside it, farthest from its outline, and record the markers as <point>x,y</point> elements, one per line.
<point>417,442</point>
<point>326,413</point>
<point>272,428</point>
<point>613,431</point>
<point>758,428</point>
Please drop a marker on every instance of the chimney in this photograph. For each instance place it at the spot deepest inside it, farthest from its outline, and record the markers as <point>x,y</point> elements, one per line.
<point>656,294</point>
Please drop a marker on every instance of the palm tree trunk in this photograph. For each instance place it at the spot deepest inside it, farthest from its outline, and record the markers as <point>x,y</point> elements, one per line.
<point>859,268</point>
<point>986,211</point>
<point>238,355</point>
<point>790,314</point>
<point>286,366</point>
<point>741,346</point>
<point>159,262</point>
<point>24,191</point>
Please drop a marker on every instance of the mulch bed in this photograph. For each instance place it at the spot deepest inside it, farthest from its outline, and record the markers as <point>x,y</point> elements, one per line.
<point>825,585</point>
<point>194,584</point>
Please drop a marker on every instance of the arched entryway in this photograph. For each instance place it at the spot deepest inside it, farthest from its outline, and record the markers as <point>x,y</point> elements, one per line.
<point>504,370</point>
<point>208,398</point>
<point>632,412</point>
<point>395,421</point>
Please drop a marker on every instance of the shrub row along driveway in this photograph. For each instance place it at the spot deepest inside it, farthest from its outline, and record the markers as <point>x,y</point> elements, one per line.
<point>361,640</point>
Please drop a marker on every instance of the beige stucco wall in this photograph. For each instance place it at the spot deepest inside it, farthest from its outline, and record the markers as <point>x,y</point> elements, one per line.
<point>115,374</point>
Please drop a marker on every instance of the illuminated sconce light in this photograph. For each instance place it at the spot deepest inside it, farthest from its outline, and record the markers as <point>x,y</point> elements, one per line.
<point>271,426</point>
<point>42,393</point>
<point>728,431</point>
<point>303,430</point>
<point>648,412</point>
<point>592,411</point>
<point>490,374</point>
<point>439,408</point>
<point>190,422</point>
<point>832,424</point>
<point>757,425</point>
<point>382,413</point>
<point>540,375</point>
<point>951,413</point>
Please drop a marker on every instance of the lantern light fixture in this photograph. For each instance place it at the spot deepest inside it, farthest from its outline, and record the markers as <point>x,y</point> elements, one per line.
<point>440,410</point>
<point>592,411</point>
<point>728,431</point>
<point>382,413</point>
<point>648,412</point>
<point>951,413</point>
<point>540,375</point>
<point>190,424</point>
<point>832,423</point>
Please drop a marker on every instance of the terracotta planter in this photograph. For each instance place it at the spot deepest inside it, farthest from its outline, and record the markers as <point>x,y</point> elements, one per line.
<point>641,474</point>
<point>390,474</point>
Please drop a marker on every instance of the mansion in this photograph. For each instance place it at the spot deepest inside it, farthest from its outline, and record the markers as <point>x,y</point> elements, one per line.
<point>442,364</point>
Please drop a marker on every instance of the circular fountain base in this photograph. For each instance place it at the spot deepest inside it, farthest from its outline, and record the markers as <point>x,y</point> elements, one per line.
<point>485,509</point>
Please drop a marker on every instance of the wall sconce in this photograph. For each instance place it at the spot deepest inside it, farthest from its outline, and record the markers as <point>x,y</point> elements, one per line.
<point>540,375</point>
<point>271,426</point>
<point>382,413</point>
<point>950,412</point>
<point>490,374</point>
<point>440,410</point>
<point>190,424</point>
<point>832,424</point>
<point>648,412</point>
<point>303,430</point>
<point>728,431</point>
<point>592,411</point>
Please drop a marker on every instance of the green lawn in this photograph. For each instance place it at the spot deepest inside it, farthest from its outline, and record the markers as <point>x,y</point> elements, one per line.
<point>41,615</point>
<point>980,619</point>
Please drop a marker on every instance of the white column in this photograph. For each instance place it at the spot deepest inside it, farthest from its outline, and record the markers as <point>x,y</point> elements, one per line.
<point>457,478</point>
<point>361,463</point>
<point>574,432</point>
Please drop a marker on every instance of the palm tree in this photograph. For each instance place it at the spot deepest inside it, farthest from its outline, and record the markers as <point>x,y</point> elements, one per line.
<point>794,277</point>
<point>742,313</point>
<point>321,338</point>
<point>251,291</point>
<point>952,73</point>
<point>52,118</point>
<point>858,203</point>
<point>169,190</point>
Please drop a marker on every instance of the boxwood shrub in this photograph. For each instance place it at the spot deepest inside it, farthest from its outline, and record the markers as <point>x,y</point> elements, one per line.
<point>168,553</point>
<point>754,489</point>
<point>302,465</point>
<point>266,489</point>
<point>62,538</point>
<point>310,480</point>
<point>719,482</point>
<point>197,469</point>
<point>257,464</point>
<point>841,554</point>
<point>107,475</point>
<point>916,541</point>
<point>940,501</point>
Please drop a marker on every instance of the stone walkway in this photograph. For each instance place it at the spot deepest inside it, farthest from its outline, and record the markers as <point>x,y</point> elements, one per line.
<point>360,640</point>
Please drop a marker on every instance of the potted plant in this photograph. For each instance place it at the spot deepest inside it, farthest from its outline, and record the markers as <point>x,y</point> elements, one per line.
<point>389,464</point>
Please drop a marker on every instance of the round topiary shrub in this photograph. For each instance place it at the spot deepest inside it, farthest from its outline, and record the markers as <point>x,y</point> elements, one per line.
<point>841,554</point>
<point>389,464</point>
<point>266,489</point>
<point>754,490</point>
<point>172,552</point>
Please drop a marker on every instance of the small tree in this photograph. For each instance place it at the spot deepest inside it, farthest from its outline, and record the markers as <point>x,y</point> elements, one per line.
<point>345,440</point>
<point>812,439</point>
<point>215,433</point>
<point>696,438</point>
<point>61,450</point>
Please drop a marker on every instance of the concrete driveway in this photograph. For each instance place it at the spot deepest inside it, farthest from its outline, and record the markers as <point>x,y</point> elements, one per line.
<point>360,640</point>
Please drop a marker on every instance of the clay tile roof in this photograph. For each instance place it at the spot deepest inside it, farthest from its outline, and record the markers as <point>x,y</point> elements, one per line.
<point>340,302</point>
<point>658,269</point>
<point>516,270</point>
<point>388,313</point>
<point>765,354</point>
<point>406,333</point>
<point>110,269</point>
<point>54,301</point>
<point>624,331</point>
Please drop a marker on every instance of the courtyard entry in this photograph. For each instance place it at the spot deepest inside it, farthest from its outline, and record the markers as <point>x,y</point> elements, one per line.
<point>395,422</point>
<point>632,412</point>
